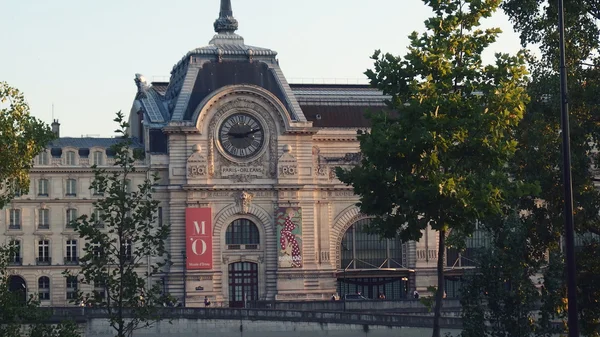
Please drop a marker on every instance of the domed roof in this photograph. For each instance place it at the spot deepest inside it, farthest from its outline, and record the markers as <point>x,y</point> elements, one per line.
<point>226,42</point>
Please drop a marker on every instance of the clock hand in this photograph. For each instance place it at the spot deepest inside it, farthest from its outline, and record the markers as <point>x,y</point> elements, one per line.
<point>236,135</point>
<point>251,132</point>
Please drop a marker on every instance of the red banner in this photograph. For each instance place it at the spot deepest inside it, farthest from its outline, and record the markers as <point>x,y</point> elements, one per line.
<point>198,232</point>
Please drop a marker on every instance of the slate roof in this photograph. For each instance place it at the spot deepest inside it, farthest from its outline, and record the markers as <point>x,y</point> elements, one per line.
<point>88,142</point>
<point>339,116</point>
<point>160,87</point>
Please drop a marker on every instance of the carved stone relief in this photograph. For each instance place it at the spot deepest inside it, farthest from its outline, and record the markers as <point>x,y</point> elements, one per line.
<point>287,164</point>
<point>318,162</point>
<point>243,201</point>
<point>196,164</point>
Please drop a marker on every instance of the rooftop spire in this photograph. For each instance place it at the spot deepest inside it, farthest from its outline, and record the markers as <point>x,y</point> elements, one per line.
<point>226,23</point>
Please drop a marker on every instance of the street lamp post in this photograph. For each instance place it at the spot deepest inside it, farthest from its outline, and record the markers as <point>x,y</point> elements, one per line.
<point>567,181</point>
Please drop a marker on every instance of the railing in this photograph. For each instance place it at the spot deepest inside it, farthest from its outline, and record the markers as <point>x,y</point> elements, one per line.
<point>71,261</point>
<point>43,261</point>
<point>388,306</point>
<point>82,314</point>
<point>15,261</point>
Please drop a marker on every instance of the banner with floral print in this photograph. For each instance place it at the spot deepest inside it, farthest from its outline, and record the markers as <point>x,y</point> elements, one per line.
<point>289,237</point>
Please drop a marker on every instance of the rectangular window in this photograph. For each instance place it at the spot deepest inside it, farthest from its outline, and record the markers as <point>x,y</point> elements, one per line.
<point>15,253</point>
<point>44,219</point>
<point>70,158</point>
<point>16,190</point>
<point>160,216</point>
<point>43,158</point>
<point>44,288</point>
<point>15,219</point>
<point>71,187</point>
<point>72,284</point>
<point>71,217</point>
<point>127,186</point>
<point>98,156</point>
<point>127,250</point>
<point>43,187</point>
<point>97,218</point>
<point>100,288</point>
<point>43,252</point>
<point>71,256</point>
<point>96,193</point>
<point>96,251</point>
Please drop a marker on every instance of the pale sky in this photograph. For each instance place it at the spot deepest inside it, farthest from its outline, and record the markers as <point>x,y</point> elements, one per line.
<point>82,55</point>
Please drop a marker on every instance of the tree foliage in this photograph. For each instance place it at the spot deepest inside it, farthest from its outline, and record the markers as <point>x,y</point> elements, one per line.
<point>125,244</point>
<point>439,160</point>
<point>539,156</point>
<point>22,137</point>
<point>499,298</point>
<point>18,319</point>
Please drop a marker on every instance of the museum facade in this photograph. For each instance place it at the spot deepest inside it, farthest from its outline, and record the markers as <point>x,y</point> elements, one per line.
<point>247,164</point>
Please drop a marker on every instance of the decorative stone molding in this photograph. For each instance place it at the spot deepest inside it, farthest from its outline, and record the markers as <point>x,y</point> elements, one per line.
<point>318,162</point>
<point>243,201</point>
<point>196,166</point>
<point>287,165</point>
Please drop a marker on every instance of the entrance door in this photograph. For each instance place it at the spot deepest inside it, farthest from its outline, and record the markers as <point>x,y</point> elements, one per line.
<point>243,283</point>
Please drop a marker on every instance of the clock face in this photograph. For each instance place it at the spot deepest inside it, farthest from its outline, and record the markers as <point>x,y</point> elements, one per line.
<point>241,135</point>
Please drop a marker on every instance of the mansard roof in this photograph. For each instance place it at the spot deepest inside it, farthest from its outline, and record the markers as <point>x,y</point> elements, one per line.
<point>89,142</point>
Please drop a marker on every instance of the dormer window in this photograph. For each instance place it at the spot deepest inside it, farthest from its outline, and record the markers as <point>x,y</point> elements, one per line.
<point>70,158</point>
<point>98,158</point>
<point>44,158</point>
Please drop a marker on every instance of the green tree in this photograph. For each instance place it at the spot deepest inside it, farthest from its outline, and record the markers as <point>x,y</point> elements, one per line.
<point>18,319</point>
<point>439,160</point>
<point>540,156</point>
<point>537,23</point>
<point>22,138</point>
<point>125,244</point>
<point>501,292</point>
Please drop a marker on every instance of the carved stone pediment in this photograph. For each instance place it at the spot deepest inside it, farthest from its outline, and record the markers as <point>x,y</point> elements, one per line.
<point>197,165</point>
<point>287,165</point>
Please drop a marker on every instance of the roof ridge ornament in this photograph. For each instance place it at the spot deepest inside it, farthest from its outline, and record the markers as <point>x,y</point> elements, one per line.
<point>226,23</point>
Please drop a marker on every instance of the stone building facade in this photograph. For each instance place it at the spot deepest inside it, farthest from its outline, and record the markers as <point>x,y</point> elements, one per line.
<point>247,184</point>
<point>256,155</point>
<point>38,220</point>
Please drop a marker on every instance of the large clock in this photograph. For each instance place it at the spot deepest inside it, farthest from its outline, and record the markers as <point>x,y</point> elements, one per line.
<point>241,135</point>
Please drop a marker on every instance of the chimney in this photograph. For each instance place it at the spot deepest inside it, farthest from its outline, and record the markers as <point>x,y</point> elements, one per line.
<point>56,128</point>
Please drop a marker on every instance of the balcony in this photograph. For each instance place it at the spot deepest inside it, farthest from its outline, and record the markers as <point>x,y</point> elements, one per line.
<point>44,226</point>
<point>242,247</point>
<point>71,261</point>
<point>43,261</point>
<point>15,261</point>
<point>14,226</point>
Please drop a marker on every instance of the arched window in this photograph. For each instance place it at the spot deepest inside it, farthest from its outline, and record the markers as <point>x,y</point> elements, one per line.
<point>242,232</point>
<point>44,288</point>
<point>360,250</point>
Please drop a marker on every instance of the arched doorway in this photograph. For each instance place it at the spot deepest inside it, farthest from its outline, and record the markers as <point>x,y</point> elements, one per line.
<point>370,265</point>
<point>242,239</point>
<point>17,285</point>
<point>243,283</point>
